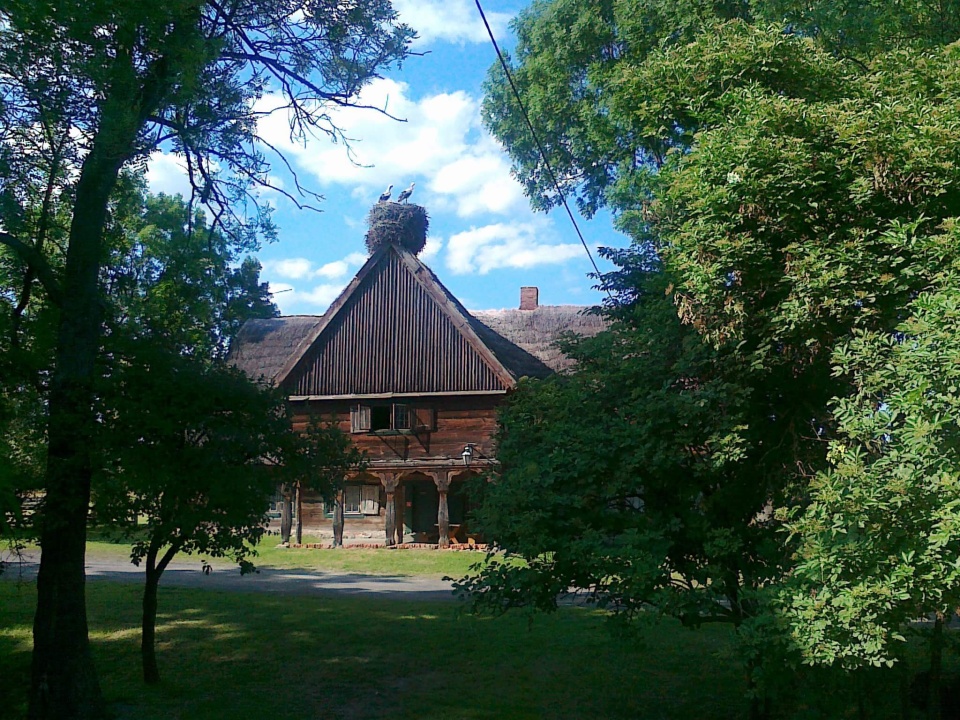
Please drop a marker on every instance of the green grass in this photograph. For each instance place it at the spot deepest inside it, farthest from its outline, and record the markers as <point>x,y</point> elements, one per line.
<point>379,561</point>
<point>235,656</point>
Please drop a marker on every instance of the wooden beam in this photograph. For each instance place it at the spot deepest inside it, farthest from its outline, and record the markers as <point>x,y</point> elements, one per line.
<point>443,520</point>
<point>442,479</point>
<point>399,500</point>
<point>390,483</point>
<point>338,519</point>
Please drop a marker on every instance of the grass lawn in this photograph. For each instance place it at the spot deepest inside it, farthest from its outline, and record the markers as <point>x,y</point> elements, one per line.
<point>236,655</point>
<point>380,561</point>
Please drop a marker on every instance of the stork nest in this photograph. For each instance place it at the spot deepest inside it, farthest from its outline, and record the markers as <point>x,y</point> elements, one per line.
<point>403,224</point>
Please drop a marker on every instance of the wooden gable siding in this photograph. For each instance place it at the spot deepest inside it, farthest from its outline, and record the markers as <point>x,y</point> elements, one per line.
<point>392,337</point>
<point>458,421</point>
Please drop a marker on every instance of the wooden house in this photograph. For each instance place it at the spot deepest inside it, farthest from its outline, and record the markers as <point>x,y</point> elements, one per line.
<point>416,380</point>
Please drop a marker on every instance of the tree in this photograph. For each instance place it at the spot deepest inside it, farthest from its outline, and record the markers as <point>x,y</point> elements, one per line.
<point>880,537</point>
<point>117,80</point>
<point>192,453</point>
<point>792,197</point>
<point>629,479</point>
<point>186,455</point>
<point>189,449</point>
<point>174,279</point>
<point>797,194</point>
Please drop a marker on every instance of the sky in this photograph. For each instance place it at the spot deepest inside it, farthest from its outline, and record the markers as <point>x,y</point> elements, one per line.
<point>484,243</point>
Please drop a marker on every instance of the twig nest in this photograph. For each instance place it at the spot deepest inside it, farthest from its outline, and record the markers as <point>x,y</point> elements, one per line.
<point>403,224</point>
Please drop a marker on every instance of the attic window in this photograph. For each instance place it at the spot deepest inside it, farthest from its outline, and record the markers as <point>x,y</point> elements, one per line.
<point>394,417</point>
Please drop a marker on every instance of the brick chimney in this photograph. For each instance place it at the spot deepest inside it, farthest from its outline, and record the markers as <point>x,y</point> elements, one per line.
<point>529,298</point>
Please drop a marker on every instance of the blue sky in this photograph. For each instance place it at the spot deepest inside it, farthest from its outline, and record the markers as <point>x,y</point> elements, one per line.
<point>484,242</point>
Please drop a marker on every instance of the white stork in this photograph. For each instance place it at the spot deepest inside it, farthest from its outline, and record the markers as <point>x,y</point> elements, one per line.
<point>385,195</point>
<point>404,195</point>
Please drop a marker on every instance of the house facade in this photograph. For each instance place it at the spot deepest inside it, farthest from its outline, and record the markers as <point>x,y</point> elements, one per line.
<point>415,379</point>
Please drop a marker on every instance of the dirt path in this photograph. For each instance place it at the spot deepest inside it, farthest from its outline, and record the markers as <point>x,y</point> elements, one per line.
<point>189,573</point>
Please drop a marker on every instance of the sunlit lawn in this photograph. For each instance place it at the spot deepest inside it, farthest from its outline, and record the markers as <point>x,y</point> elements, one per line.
<point>236,655</point>
<point>377,561</point>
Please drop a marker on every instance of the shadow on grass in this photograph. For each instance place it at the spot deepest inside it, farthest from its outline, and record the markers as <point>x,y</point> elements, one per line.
<point>235,655</point>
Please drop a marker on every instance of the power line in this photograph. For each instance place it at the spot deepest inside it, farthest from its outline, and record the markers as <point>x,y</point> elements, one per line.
<point>536,139</point>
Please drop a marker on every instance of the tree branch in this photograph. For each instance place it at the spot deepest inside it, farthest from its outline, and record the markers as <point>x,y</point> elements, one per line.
<point>38,263</point>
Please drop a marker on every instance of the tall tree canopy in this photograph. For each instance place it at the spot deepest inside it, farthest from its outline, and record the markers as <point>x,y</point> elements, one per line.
<point>791,168</point>
<point>88,89</point>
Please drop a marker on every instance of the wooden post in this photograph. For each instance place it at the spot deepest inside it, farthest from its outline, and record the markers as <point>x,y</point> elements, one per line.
<point>299,515</point>
<point>399,500</point>
<point>338,518</point>
<point>442,480</point>
<point>285,514</point>
<point>390,485</point>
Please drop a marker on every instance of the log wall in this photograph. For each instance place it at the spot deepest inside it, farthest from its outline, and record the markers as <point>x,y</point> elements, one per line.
<point>458,420</point>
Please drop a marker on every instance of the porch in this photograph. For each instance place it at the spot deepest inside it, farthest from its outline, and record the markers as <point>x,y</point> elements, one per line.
<point>410,508</point>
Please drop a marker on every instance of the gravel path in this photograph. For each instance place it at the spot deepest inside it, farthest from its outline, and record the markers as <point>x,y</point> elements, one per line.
<point>225,577</point>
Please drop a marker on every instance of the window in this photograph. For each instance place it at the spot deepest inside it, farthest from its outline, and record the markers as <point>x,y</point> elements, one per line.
<point>380,418</point>
<point>395,416</point>
<point>359,500</point>
<point>401,417</point>
<point>351,500</point>
<point>360,420</point>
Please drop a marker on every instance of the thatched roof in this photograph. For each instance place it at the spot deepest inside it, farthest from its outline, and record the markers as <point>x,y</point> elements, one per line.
<point>536,331</point>
<point>262,347</point>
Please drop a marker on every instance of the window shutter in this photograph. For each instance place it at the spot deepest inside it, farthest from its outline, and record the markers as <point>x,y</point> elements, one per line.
<point>360,419</point>
<point>351,499</point>
<point>371,500</point>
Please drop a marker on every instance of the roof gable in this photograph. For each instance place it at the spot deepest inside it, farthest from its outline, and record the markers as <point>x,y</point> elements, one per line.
<point>397,329</point>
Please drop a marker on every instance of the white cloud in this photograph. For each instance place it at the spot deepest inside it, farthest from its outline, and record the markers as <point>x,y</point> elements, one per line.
<point>318,298</point>
<point>501,245</point>
<point>293,268</point>
<point>458,166</point>
<point>292,297</point>
<point>332,270</point>
<point>167,174</point>
<point>431,249</point>
<point>319,295</point>
<point>303,269</point>
<point>452,20</point>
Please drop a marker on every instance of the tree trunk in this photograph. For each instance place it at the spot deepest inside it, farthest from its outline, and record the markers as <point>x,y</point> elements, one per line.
<point>443,520</point>
<point>338,519</point>
<point>936,667</point>
<point>63,681</point>
<point>391,520</point>
<point>286,515</point>
<point>299,516</point>
<point>148,628</point>
<point>148,634</point>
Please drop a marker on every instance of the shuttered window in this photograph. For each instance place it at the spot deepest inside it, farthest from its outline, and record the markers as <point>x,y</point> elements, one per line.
<point>360,419</point>
<point>370,499</point>
<point>359,500</point>
<point>398,416</point>
<point>351,499</point>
